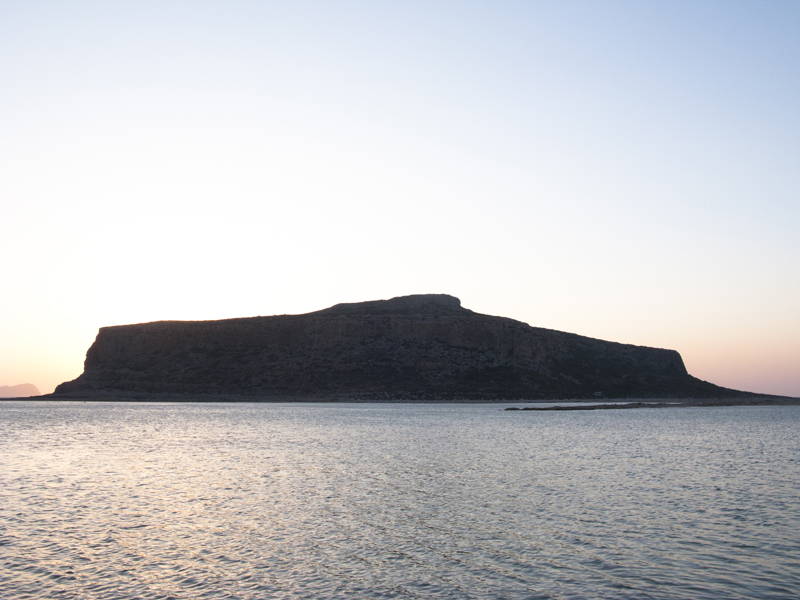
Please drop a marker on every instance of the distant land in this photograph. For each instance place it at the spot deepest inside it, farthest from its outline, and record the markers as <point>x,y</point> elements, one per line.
<point>23,390</point>
<point>412,348</point>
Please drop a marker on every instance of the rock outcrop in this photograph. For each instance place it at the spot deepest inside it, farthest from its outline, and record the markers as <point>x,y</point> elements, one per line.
<point>412,347</point>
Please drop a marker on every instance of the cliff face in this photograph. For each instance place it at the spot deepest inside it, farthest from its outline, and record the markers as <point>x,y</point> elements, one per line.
<point>424,346</point>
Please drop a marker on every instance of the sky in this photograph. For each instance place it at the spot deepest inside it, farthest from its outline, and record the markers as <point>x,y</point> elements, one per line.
<point>629,171</point>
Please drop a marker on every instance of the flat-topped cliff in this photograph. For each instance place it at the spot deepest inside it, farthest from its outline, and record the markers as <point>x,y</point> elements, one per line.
<point>412,347</point>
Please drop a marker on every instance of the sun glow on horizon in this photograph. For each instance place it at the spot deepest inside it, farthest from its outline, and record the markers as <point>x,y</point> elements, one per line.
<point>620,171</point>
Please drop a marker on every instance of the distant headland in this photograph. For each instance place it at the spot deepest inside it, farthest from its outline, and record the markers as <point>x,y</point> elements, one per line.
<point>421,347</point>
<point>23,390</point>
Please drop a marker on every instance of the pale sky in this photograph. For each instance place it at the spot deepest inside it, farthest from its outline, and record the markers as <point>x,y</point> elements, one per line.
<point>628,171</point>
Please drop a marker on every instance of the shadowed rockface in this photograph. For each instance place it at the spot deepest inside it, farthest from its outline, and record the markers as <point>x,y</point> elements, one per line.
<point>412,347</point>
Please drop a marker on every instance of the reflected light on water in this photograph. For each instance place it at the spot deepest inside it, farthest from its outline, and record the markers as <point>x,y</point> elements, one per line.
<point>397,501</point>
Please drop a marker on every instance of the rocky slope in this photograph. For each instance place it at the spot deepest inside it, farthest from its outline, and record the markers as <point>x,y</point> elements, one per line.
<point>412,347</point>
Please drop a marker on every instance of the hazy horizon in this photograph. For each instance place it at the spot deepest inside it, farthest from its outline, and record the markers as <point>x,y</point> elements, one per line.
<point>618,170</point>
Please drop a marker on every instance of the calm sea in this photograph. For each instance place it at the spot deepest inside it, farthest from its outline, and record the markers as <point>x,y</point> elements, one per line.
<point>397,501</point>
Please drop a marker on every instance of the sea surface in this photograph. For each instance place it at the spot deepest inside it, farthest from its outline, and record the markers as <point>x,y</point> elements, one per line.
<point>461,501</point>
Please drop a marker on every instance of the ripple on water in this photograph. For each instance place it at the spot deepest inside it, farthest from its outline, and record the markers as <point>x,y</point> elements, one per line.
<point>396,501</point>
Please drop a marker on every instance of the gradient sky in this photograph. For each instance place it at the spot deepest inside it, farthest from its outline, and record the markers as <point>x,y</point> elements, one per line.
<point>624,170</point>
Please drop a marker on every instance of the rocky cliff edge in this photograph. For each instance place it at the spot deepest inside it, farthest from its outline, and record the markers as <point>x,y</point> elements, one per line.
<point>411,347</point>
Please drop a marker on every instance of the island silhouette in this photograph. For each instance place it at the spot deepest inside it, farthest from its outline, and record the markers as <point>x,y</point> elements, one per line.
<point>420,347</point>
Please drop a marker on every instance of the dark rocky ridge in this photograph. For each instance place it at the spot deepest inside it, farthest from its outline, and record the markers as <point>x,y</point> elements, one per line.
<point>412,347</point>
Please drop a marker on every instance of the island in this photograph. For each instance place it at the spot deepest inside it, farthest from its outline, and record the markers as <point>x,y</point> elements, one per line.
<point>411,348</point>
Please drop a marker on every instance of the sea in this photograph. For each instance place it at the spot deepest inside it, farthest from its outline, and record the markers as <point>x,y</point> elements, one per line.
<point>338,500</point>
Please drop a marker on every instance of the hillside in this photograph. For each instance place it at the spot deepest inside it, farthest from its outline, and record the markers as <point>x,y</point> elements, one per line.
<point>411,347</point>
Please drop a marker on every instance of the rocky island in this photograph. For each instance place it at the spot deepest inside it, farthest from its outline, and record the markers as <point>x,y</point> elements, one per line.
<point>422,347</point>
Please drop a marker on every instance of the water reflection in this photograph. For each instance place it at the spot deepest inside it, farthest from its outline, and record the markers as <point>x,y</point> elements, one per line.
<point>408,501</point>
